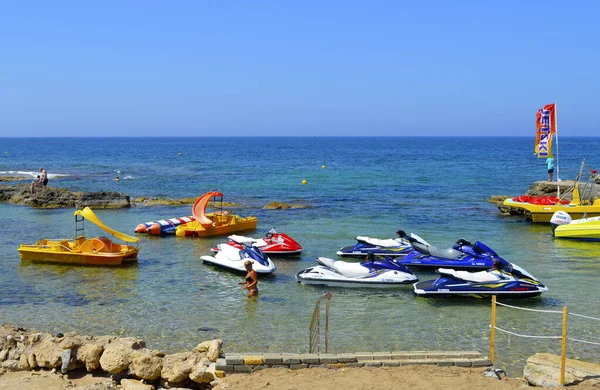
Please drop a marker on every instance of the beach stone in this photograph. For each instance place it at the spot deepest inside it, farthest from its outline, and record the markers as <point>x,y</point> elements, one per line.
<point>71,341</point>
<point>201,373</point>
<point>11,365</point>
<point>145,365</point>
<point>203,346</point>
<point>47,353</point>
<point>115,358</point>
<point>66,359</point>
<point>3,355</point>
<point>32,361</point>
<point>23,362</point>
<point>214,350</point>
<point>132,384</point>
<point>164,384</point>
<point>543,369</point>
<point>177,367</point>
<point>89,355</point>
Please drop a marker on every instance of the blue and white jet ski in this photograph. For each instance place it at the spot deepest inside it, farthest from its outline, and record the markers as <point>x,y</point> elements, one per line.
<point>505,280</point>
<point>392,247</point>
<point>234,258</point>
<point>382,272</point>
<point>462,256</point>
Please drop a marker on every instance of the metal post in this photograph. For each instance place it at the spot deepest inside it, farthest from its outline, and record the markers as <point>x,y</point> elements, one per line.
<point>557,162</point>
<point>493,329</point>
<point>314,339</point>
<point>327,324</point>
<point>563,355</point>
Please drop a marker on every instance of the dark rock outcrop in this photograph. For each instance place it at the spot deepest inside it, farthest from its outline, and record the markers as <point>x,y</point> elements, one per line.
<point>151,201</point>
<point>53,197</point>
<point>281,205</point>
<point>13,178</point>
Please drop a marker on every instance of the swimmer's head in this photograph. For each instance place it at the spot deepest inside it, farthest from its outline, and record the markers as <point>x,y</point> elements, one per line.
<point>247,263</point>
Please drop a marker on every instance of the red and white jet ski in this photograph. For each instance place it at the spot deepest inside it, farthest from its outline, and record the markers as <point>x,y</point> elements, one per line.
<point>273,243</point>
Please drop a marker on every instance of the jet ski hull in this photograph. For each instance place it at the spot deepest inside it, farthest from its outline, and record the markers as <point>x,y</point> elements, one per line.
<point>278,244</point>
<point>359,251</point>
<point>323,276</point>
<point>233,259</point>
<point>462,256</point>
<point>449,287</point>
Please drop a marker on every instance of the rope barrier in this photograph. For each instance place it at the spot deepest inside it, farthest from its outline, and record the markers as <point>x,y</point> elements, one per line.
<point>563,337</point>
<point>583,341</point>
<point>527,309</point>
<point>528,336</point>
<point>581,315</point>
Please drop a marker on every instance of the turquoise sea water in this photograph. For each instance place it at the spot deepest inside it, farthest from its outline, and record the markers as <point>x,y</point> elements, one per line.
<point>435,187</point>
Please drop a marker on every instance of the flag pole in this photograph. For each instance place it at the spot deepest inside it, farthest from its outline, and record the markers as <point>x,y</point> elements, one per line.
<point>557,165</point>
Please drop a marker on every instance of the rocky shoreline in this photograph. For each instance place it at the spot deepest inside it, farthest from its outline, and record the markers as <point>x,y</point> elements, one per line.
<point>126,359</point>
<point>54,197</point>
<point>126,362</point>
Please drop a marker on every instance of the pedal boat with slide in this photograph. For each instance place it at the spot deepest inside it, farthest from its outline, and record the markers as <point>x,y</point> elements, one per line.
<point>217,223</point>
<point>83,251</point>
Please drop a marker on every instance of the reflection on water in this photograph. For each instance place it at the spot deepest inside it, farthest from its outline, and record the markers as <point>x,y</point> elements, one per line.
<point>589,250</point>
<point>80,285</point>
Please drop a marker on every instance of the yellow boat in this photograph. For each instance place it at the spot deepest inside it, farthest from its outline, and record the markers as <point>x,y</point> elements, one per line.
<point>583,229</point>
<point>214,224</point>
<point>85,251</point>
<point>580,206</point>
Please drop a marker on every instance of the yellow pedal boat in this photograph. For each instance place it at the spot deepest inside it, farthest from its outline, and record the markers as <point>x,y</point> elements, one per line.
<point>217,223</point>
<point>85,251</point>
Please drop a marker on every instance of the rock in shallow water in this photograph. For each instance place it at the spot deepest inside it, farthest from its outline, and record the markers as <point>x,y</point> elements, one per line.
<point>52,197</point>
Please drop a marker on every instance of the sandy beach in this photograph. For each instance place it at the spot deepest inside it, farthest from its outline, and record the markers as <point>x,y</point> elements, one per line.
<point>416,377</point>
<point>407,377</point>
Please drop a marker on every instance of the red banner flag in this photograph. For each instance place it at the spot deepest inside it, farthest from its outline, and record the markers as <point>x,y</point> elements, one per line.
<point>545,130</point>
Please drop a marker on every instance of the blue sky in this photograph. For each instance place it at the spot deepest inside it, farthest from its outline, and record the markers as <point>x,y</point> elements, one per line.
<point>301,68</point>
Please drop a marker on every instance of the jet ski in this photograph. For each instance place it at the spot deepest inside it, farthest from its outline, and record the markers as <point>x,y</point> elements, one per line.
<point>462,256</point>
<point>504,280</point>
<point>393,247</point>
<point>273,243</point>
<point>376,272</point>
<point>233,259</point>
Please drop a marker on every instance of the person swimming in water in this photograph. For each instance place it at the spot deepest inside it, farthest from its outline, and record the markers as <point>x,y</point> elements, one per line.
<point>251,283</point>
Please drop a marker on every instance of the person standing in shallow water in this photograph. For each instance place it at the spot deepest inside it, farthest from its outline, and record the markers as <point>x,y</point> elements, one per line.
<point>251,283</point>
<point>550,165</point>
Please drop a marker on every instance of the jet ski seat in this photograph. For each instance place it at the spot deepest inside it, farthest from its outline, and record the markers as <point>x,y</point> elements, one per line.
<point>430,250</point>
<point>351,270</point>
<point>230,251</point>
<point>388,243</point>
<point>478,277</point>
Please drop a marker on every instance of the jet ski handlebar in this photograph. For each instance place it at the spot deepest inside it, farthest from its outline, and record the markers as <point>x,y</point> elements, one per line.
<point>462,241</point>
